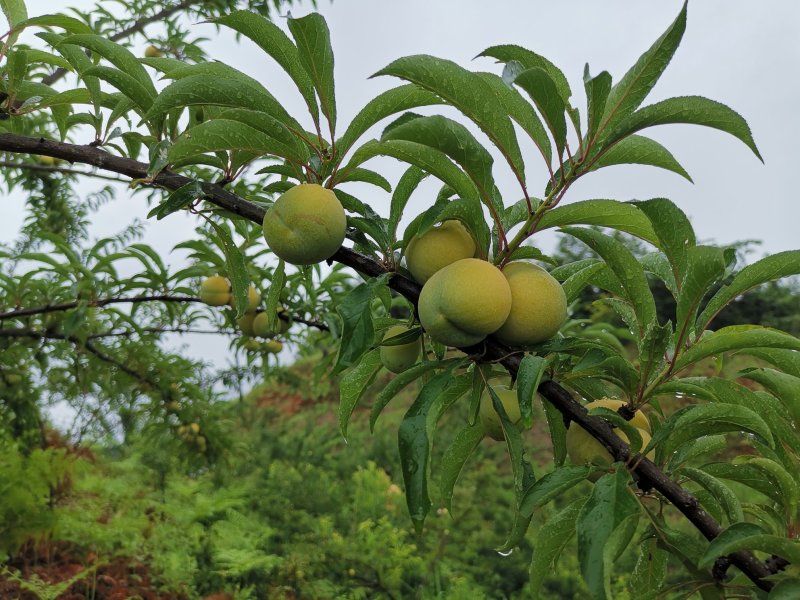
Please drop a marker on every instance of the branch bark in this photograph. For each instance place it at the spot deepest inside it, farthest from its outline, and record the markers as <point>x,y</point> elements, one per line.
<point>648,474</point>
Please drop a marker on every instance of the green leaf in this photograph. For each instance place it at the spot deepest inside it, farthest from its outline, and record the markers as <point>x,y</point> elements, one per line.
<point>354,383</point>
<point>520,111</point>
<point>469,93</point>
<point>709,419</point>
<point>285,140</point>
<point>272,40</point>
<point>639,150</point>
<point>693,110</point>
<point>415,447</point>
<point>747,536</point>
<point>787,361</point>
<point>705,265</point>
<point>225,134</point>
<point>313,41</point>
<point>622,216</point>
<point>745,474</point>
<point>673,230</point>
<point>784,481</point>
<point>366,176</point>
<point>235,93</point>
<point>530,373</point>
<point>558,432</point>
<point>15,13</point>
<point>627,269</point>
<point>236,266</point>
<point>787,589</point>
<point>735,337</point>
<point>433,161</point>
<point>357,328</point>
<point>454,140</point>
<point>606,512</point>
<point>550,541</point>
<point>649,573</point>
<point>119,56</point>
<point>70,24</point>
<point>272,301</point>
<point>177,200</point>
<point>454,458</point>
<point>544,93</point>
<point>126,84</point>
<point>721,492</point>
<point>395,100</point>
<point>785,387</point>
<point>597,89</point>
<point>402,193</point>
<point>630,91</point>
<point>391,389</point>
<point>551,486</point>
<point>770,268</point>
<point>530,60</point>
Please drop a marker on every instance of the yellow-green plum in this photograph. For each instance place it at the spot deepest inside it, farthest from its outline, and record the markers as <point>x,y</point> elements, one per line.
<point>253,299</point>
<point>464,302</point>
<point>400,357</point>
<point>582,448</point>
<point>245,323</point>
<point>215,291</point>
<point>261,326</point>
<point>438,247</point>
<point>273,346</point>
<point>306,225</point>
<point>152,52</point>
<point>490,419</point>
<point>538,305</point>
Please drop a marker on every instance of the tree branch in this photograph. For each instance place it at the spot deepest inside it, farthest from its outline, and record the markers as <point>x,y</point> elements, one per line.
<point>648,474</point>
<point>49,308</point>
<point>7,164</point>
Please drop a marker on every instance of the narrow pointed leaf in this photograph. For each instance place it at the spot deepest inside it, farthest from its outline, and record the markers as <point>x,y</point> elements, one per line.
<point>272,40</point>
<point>468,92</point>
<point>530,373</point>
<point>531,60</point>
<point>735,337</point>
<point>640,150</point>
<point>597,89</point>
<point>630,91</point>
<point>605,213</point>
<point>693,110</point>
<point>226,134</point>
<point>454,459</point>
<point>354,383</point>
<point>542,90</point>
<point>770,268</point>
<point>747,536</point>
<point>399,99</point>
<point>313,41</point>
<point>550,541</point>
<point>674,231</point>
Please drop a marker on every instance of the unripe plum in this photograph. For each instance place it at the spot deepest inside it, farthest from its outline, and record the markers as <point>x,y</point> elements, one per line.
<point>464,302</point>
<point>437,248</point>
<point>402,356</point>
<point>582,448</point>
<point>215,291</point>
<point>490,419</point>
<point>306,225</point>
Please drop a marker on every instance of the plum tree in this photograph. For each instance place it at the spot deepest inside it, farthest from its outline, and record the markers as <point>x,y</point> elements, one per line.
<point>215,291</point>
<point>438,247</point>
<point>464,302</point>
<point>538,305</point>
<point>306,225</point>
<point>490,419</point>
<point>399,357</point>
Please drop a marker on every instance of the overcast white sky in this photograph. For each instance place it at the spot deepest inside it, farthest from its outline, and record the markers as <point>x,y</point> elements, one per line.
<point>743,53</point>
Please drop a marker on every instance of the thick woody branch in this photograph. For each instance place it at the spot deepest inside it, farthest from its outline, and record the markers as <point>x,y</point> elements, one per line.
<point>647,473</point>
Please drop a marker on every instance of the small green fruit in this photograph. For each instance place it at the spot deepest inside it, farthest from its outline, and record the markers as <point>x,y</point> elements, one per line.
<point>306,225</point>
<point>245,324</point>
<point>253,299</point>
<point>490,419</point>
<point>437,248</point>
<point>153,52</point>
<point>399,358</point>
<point>215,291</point>
<point>464,302</point>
